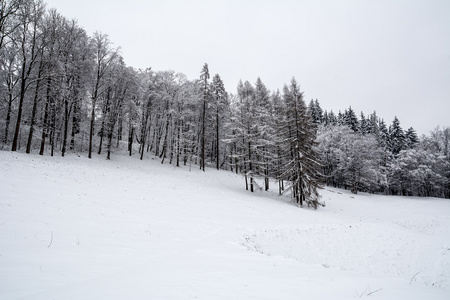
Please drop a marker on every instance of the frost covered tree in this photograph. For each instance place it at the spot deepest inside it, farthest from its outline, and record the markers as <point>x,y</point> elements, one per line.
<point>204,77</point>
<point>411,138</point>
<point>302,170</point>
<point>29,36</point>
<point>219,106</point>
<point>105,56</point>
<point>245,132</point>
<point>8,10</point>
<point>264,132</point>
<point>364,125</point>
<point>397,139</point>
<point>316,111</point>
<point>351,120</point>
<point>351,160</point>
<point>75,71</point>
<point>419,172</point>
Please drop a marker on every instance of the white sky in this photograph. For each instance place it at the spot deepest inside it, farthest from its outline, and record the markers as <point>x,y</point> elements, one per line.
<point>392,56</point>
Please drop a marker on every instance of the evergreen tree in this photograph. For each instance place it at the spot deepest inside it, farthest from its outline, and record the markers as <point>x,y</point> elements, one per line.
<point>383,138</point>
<point>332,119</point>
<point>411,138</point>
<point>397,139</point>
<point>315,111</point>
<point>373,124</point>
<point>351,120</point>
<point>302,170</point>
<point>364,125</point>
<point>319,111</point>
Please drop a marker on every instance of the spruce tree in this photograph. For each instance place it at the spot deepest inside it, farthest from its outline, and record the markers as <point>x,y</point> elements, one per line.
<point>411,138</point>
<point>351,120</point>
<point>397,138</point>
<point>364,125</point>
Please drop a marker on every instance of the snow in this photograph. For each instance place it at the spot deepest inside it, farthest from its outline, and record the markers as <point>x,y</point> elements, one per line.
<point>74,228</point>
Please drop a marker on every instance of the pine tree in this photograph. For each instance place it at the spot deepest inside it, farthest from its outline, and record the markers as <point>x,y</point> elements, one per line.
<point>302,169</point>
<point>364,125</point>
<point>351,120</point>
<point>316,111</point>
<point>383,138</point>
<point>397,139</point>
<point>373,124</point>
<point>332,119</point>
<point>411,138</point>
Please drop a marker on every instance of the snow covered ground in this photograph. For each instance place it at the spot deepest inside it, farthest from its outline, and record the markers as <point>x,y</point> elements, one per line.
<point>74,228</point>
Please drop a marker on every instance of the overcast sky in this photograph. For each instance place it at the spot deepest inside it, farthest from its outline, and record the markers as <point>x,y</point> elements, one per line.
<point>392,56</point>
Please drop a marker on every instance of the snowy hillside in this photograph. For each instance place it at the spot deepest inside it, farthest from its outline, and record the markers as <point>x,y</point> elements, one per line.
<point>74,228</point>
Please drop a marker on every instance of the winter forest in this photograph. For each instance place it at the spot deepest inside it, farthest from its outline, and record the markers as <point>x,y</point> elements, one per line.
<point>62,91</point>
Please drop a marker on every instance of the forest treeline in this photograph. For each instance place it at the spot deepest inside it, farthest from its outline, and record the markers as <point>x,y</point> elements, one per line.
<point>62,90</point>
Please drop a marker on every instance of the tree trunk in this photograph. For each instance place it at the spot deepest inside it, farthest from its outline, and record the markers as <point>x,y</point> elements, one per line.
<point>202,163</point>
<point>53,127</point>
<point>179,142</point>
<point>246,182</point>
<point>130,139</point>
<point>110,134</point>
<point>91,130</point>
<point>8,119</point>
<point>33,119</point>
<point>102,128</point>
<point>164,149</point>
<point>33,112</point>
<point>45,121</point>
<point>119,128</point>
<point>19,113</point>
<point>217,140</point>
<point>67,111</point>
<point>75,126</point>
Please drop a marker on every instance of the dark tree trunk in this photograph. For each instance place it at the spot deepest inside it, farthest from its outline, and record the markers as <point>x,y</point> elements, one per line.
<point>217,139</point>
<point>33,120</point>
<point>102,128</point>
<point>202,162</point>
<point>19,113</point>
<point>130,140</point>
<point>110,134</point>
<point>75,126</point>
<point>8,119</point>
<point>33,112</point>
<point>45,121</point>
<point>53,127</point>
<point>91,130</point>
<point>67,111</point>
<point>119,128</point>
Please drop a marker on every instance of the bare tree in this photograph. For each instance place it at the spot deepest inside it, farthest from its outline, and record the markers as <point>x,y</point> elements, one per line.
<point>30,47</point>
<point>8,10</point>
<point>104,57</point>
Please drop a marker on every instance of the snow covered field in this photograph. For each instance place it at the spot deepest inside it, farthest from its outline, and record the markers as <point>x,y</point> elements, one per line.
<point>74,228</point>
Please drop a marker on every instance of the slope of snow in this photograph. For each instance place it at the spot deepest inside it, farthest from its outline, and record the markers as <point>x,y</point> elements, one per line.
<point>74,228</point>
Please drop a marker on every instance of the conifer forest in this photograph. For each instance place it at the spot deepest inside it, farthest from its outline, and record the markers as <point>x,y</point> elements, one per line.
<point>63,91</point>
